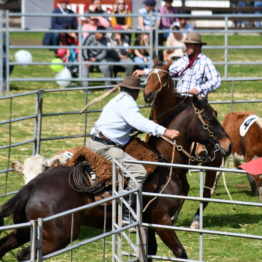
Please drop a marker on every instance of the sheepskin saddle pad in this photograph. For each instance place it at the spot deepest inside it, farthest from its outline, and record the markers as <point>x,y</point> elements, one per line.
<point>103,167</point>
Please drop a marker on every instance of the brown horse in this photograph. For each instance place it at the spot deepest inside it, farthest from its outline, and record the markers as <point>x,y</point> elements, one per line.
<point>50,192</point>
<point>160,91</point>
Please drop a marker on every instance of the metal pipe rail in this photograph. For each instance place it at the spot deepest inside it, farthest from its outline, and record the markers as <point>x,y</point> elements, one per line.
<point>153,48</point>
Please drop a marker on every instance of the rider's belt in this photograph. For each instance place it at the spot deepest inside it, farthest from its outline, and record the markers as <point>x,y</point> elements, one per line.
<point>103,139</point>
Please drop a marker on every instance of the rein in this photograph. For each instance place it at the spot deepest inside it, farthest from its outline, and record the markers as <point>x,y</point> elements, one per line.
<point>170,172</point>
<point>191,157</point>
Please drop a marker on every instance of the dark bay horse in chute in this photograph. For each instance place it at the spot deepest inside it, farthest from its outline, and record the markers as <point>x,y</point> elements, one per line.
<point>160,91</point>
<point>50,192</point>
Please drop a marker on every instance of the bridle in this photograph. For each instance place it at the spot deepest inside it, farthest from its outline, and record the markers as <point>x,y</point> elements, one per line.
<point>206,127</point>
<point>157,71</point>
<point>198,112</point>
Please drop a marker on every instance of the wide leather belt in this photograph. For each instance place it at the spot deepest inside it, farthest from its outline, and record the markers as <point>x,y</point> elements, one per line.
<point>103,139</point>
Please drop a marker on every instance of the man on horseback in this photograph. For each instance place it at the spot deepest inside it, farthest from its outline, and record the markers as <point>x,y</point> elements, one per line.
<point>118,119</point>
<point>196,72</point>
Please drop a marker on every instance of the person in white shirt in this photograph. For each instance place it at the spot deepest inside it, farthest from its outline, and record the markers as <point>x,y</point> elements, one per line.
<point>118,119</point>
<point>196,72</point>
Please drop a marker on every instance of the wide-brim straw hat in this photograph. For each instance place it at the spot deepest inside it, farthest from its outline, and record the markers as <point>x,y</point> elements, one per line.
<point>194,38</point>
<point>131,82</point>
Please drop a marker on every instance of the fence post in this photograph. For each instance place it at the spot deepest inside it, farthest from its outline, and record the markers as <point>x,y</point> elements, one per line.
<point>7,54</point>
<point>141,231</point>
<point>38,121</point>
<point>33,240</point>
<point>1,55</point>
<point>39,239</point>
<point>114,212</point>
<point>201,204</point>
<point>226,47</point>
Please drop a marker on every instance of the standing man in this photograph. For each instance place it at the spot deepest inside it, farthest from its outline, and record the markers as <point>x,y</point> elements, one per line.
<point>196,72</point>
<point>118,119</point>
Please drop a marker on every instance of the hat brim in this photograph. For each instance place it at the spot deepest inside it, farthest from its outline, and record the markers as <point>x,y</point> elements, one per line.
<point>194,42</point>
<point>130,87</point>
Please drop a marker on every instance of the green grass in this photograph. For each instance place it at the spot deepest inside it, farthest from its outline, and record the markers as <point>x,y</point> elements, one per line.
<point>218,217</point>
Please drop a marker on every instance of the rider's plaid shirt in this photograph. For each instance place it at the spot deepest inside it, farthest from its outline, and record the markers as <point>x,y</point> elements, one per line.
<point>201,75</point>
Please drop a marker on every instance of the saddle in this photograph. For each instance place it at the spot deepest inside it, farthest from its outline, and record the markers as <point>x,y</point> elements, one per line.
<point>103,167</point>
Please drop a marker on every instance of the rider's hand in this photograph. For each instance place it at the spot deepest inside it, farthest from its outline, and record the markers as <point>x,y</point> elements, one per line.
<point>171,133</point>
<point>138,72</point>
<point>193,91</point>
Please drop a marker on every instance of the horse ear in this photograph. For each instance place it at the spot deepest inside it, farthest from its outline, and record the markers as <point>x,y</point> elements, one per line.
<point>17,166</point>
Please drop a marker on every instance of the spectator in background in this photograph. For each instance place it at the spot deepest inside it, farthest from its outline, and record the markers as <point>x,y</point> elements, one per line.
<point>258,4</point>
<point>96,8</point>
<point>92,23</point>
<point>166,22</point>
<point>62,22</point>
<point>185,25</point>
<point>175,40</point>
<point>68,54</point>
<point>147,19</point>
<point>98,39</point>
<point>121,23</point>
<point>122,40</point>
<point>240,5</point>
<point>142,55</point>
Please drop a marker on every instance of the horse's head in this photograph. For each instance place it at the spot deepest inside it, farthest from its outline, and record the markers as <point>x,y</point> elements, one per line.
<point>207,130</point>
<point>157,80</point>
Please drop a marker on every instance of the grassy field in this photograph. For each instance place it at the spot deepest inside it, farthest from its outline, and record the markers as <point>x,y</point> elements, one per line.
<point>218,217</point>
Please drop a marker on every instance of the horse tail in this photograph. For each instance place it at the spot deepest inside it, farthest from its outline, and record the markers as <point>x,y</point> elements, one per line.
<point>15,206</point>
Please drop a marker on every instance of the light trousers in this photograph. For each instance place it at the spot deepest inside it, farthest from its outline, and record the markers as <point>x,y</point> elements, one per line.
<point>137,171</point>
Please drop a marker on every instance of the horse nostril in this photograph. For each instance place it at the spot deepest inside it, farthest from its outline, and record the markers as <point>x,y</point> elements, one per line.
<point>149,97</point>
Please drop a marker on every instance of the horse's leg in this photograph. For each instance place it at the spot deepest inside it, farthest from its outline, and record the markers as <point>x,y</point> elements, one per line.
<point>56,237</point>
<point>252,182</point>
<point>24,254</point>
<point>152,244</point>
<point>13,240</point>
<point>185,189</point>
<point>170,239</point>
<point>214,187</point>
<point>209,183</point>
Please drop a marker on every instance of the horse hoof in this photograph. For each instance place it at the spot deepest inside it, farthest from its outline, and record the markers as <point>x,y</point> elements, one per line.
<point>195,225</point>
<point>254,192</point>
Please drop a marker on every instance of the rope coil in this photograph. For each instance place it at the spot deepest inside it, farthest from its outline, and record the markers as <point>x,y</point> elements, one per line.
<point>83,179</point>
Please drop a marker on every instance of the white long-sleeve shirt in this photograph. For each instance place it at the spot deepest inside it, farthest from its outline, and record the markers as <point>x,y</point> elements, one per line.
<point>120,116</point>
<point>202,75</point>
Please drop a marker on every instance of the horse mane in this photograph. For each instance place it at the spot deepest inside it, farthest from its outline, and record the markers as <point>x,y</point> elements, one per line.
<point>183,103</point>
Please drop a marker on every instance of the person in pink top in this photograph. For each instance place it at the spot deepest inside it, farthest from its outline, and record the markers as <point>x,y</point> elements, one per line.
<point>92,23</point>
<point>166,22</point>
<point>96,20</point>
